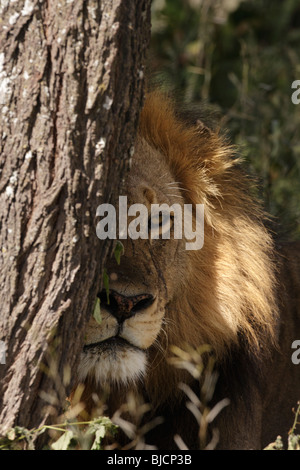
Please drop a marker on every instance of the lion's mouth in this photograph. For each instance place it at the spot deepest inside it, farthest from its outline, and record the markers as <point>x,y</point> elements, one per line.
<point>113,360</point>
<point>110,344</point>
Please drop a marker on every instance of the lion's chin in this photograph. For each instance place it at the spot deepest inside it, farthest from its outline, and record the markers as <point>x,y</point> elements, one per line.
<point>112,362</point>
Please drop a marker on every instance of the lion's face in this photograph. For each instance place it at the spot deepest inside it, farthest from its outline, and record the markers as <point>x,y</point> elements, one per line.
<point>162,294</point>
<point>150,275</point>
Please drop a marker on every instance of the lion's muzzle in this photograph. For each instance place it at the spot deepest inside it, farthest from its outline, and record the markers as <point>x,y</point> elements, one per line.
<point>123,307</point>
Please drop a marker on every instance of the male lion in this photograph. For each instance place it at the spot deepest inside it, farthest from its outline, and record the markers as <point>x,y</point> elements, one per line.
<point>238,294</point>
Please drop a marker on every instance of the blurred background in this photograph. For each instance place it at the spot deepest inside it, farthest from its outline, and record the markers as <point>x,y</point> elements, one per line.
<point>241,58</point>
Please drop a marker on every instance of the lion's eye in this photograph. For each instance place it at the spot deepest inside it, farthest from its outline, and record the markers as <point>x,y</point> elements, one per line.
<point>160,224</point>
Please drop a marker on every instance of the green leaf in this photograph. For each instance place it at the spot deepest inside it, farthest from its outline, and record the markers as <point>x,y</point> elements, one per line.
<point>293,442</point>
<point>119,251</point>
<point>100,427</point>
<point>64,442</point>
<point>99,434</point>
<point>97,311</point>
<point>276,445</point>
<point>11,434</point>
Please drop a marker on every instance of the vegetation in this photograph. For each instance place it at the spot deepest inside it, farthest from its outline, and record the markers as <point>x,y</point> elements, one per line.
<point>72,432</point>
<point>72,436</point>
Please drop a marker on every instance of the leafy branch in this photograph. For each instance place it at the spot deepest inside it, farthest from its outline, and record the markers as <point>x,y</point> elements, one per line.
<point>80,435</point>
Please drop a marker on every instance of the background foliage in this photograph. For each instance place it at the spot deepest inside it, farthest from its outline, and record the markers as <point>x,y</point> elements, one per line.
<point>240,57</point>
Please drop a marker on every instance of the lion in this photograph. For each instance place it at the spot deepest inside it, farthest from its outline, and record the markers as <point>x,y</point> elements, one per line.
<point>238,294</point>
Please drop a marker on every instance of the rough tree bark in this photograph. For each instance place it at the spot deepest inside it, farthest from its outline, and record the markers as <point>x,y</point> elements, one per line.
<point>71,87</point>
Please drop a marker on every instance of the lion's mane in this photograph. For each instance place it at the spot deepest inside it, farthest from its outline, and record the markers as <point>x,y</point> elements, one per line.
<point>230,286</point>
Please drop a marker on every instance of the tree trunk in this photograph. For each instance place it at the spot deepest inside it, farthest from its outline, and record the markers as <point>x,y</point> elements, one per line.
<point>71,88</point>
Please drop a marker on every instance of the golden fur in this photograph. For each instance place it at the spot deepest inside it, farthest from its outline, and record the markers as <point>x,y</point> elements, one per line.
<point>227,295</point>
<point>243,298</point>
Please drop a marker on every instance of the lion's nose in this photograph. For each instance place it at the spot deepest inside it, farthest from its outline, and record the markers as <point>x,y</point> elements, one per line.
<point>123,306</point>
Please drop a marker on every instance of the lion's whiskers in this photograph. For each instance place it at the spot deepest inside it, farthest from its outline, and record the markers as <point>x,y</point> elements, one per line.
<point>158,344</point>
<point>176,186</point>
<point>174,195</point>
